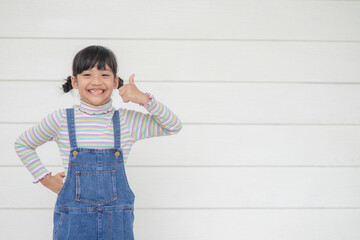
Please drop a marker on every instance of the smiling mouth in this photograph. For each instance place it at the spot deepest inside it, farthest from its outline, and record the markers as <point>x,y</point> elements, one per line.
<point>96,92</point>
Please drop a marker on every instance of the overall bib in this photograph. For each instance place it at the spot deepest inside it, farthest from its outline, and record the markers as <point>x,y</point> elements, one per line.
<point>95,202</point>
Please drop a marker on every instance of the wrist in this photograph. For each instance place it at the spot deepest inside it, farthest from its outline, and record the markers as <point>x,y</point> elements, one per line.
<point>45,179</point>
<point>145,99</point>
<point>150,99</point>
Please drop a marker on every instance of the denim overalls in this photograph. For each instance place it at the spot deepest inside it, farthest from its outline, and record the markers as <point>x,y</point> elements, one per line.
<point>95,202</point>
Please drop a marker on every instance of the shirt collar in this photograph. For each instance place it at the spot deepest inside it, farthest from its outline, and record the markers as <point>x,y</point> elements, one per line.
<point>95,110</point>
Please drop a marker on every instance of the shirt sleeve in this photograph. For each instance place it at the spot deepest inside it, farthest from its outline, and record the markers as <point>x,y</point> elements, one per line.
<point>25,145</point>
<point>160,121</point>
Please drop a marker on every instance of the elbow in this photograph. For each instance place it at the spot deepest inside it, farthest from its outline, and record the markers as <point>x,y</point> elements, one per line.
<point>16,144</point>
<point>177,128</point>
<point>20,144</point>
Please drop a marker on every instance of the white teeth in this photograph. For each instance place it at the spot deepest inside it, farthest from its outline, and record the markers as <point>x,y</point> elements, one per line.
<point>98,91</point>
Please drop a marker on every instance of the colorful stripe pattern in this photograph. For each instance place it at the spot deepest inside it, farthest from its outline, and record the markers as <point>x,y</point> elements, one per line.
<point>94,129</point>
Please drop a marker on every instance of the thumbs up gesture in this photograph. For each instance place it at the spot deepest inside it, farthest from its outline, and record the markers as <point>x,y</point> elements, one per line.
<point>130,93</point>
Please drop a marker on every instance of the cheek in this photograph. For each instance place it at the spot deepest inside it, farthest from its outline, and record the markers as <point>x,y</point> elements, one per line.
<point>82,84</point>
<point>111,84</point>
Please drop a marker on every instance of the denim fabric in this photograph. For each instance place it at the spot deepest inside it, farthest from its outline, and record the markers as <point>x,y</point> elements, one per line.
<point>96,201</point>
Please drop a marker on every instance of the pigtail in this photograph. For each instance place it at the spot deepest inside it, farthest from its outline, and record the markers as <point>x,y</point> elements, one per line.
<point>67,86</point>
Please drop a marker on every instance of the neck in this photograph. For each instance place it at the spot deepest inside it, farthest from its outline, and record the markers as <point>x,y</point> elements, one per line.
<point>95,110</point>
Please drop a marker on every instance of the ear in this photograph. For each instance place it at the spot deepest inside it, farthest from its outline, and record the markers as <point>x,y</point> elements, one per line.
<point>74,82</point>
<point>116,82</point>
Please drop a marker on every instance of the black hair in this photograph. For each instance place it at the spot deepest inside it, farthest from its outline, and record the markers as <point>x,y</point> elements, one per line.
<point>89,57</point>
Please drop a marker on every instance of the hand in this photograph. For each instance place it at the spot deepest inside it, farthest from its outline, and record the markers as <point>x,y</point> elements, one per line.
<point>54,183</point>
<point>130,93</point>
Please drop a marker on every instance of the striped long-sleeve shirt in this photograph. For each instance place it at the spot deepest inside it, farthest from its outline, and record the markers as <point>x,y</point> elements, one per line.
<point>94,129</point>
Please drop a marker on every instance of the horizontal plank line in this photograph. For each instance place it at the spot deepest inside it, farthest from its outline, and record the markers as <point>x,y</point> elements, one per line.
<point>200,209</point>
<point>185,39</point>
<point>240,124</point>
<point>213,166</point>
<point>195,81</point>
<point>278,124</point>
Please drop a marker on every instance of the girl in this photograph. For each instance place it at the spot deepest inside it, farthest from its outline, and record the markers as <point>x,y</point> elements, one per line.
<point>94,198</point>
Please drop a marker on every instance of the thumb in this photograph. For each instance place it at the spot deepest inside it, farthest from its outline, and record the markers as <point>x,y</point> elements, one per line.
<point>62,174</point>
<point>131,79</point>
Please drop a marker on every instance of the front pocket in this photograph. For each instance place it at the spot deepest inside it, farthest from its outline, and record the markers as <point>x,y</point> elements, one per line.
<point>96,187</point>
<point>58,221</point>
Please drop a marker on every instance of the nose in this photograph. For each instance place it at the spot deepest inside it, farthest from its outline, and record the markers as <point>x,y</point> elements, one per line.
<point>96,79</point>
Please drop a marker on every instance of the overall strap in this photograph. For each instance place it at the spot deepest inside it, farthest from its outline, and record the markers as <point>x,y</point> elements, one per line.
<point>116,124</point>
<point>71,127</point>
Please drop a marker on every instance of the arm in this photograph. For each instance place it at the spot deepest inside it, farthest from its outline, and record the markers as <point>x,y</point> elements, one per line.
<point>29,140</point>
<point>160,120</point>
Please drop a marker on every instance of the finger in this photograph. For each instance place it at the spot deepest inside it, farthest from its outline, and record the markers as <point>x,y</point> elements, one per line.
<point>131,79</point>
<point>125,98</point>
<point>122,90</point>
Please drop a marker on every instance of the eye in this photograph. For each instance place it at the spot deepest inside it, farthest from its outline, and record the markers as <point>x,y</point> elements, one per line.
<point>105,75</point>
<point>86,75</point>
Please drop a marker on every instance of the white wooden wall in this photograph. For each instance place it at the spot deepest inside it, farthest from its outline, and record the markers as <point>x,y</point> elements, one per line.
<point>268,91</point>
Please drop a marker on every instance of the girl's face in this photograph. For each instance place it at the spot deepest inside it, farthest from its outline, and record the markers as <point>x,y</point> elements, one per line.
<point>95,86</point>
